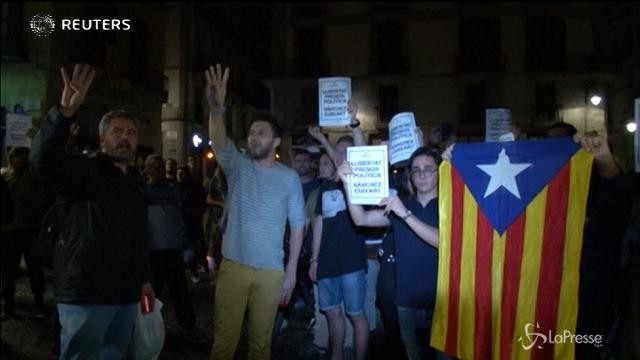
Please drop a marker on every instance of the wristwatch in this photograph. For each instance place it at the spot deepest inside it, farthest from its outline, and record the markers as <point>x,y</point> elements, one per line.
<point>406,216</point>
<point>355,124</point>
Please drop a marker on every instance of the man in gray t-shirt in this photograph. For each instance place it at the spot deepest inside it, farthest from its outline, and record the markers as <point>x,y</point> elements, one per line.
<point>263,195</point>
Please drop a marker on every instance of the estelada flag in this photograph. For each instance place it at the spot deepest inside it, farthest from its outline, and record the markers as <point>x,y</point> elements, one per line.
<point>511,223</point>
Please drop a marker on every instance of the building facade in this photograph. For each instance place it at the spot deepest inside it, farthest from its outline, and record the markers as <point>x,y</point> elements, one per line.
<point>449,62</point>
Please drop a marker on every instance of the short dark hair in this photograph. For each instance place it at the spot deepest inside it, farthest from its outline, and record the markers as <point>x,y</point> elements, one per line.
<point>425,150</point>
<point>571,130</point>
<point>18,151</point>
<point>345,138</point>
<point>268,118</point>
<point>106,119</point>
<point>297,152</point>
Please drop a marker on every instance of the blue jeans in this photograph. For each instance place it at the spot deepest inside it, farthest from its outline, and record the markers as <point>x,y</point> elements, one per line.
<point>415,329</point>
<point>350,288</point>
<point>96,331</point>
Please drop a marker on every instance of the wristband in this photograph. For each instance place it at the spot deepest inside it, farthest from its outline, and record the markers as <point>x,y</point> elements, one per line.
<point>219,109</point>
<point>406,216</point>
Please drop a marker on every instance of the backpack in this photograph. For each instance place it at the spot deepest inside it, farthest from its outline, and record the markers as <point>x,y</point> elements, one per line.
<point>53,221</point>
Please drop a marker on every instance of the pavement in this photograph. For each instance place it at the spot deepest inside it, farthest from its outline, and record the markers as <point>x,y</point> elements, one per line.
<point>29,336</point>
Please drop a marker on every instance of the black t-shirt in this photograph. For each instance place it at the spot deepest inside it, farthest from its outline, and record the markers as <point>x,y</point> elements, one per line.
<point>416,261</point>
<point>308,187</point>
<point>342,250</point>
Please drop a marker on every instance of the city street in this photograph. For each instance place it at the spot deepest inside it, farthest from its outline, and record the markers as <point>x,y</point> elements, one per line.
<point>29,337</point>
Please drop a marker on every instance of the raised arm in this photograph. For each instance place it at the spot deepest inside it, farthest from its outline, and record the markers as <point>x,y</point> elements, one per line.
<point>360,216</point>
<point>597,145</point>
<point>67,174</point>
<point>216,95</point>
<point>317,134</point>
<point>358,136</point>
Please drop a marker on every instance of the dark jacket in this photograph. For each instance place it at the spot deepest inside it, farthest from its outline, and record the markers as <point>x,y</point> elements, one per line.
<point>102,255</point>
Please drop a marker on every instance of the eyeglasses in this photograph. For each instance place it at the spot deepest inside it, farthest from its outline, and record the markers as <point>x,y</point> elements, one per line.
<point>427,171</point>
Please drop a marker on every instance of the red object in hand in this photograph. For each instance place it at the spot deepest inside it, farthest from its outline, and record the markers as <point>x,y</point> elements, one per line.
<point>283,306</point>
<point>146,305</point>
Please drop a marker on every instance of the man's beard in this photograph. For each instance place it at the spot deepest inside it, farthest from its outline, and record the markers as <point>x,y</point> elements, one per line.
<point>303,172</point>
<point>122,153</point>
<point>259,153</point>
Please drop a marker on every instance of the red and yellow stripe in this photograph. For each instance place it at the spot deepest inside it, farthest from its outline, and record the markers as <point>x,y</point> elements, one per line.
<point>490,286</point>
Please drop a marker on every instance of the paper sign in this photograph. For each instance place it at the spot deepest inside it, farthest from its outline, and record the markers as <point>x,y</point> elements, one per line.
<point>637,142</point>
<point>334,94</point>
<point>369,182</point>
<point>498,123</point>
<point>17,128</point>
<point>403,140</point>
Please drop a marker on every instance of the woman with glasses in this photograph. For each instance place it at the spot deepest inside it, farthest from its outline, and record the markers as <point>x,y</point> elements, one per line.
<point>414,220</point>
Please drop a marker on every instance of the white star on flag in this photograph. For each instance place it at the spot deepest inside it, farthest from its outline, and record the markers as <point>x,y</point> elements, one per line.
<point>503,173</point>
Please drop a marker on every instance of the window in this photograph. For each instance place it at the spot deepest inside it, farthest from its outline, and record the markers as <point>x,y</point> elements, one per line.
<point>388,7</point>
<point>311,48</point>
<point>546,101</point>
<point>389,50</point>
<point>388,98</point>
<point>308,112</point>
<point>12,27</point>
<point>139,45</point>
<point>480,45</point>
<point>309,9</point>
<point>474,104</point>
<point>546,44</point>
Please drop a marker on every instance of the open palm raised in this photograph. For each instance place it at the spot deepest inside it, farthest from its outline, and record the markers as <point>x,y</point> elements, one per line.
<point>216,85</point>
<point>75,89</point>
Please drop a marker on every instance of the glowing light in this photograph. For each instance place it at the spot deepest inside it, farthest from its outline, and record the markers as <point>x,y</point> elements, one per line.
<point>596,100</point>
<point>631,126</point>
<point>209,155</point>
<point>197,140</point>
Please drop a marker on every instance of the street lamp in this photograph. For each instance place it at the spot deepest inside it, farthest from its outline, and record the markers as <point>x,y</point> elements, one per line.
<point>631,126</point>
<point>595,100</point>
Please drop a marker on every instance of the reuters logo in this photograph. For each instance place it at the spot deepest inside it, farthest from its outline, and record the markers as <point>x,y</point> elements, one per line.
<point>42,24</point>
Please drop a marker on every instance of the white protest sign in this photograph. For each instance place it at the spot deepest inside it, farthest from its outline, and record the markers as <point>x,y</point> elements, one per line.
<point>17,128</point>
<point>637,141</point>
<point>498,123</point>
<point>334,94</point>
<point>403,140</point>
<point>369,182</point>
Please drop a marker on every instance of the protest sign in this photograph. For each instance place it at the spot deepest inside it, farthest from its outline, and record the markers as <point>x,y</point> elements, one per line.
<point>403,140</point>
<point>637,141</point>
<point>369,182</point>
<point>17,129</point>
<point>498,124</point>
<point>334,94</point>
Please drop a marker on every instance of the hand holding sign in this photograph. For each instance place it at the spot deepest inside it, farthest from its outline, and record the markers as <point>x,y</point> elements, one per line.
<point>369,174</point>
<point>393,203</point>
<point>403,138</point>
<point>344,171</point>
<point>352,109</point>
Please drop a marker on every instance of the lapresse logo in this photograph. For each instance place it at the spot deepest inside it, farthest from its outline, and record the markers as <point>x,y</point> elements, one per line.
<point>538,339</point>
<point>44,24</point>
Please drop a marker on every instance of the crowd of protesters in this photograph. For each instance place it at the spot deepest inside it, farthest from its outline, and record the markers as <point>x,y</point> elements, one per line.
<point>272,237</point>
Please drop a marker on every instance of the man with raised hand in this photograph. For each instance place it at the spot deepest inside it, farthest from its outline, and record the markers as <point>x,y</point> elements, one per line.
<point>101,259</point>
<point>263,194</point>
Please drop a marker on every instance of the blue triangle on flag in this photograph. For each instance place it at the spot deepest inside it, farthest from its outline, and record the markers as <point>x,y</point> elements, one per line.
<point>504,177</point>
